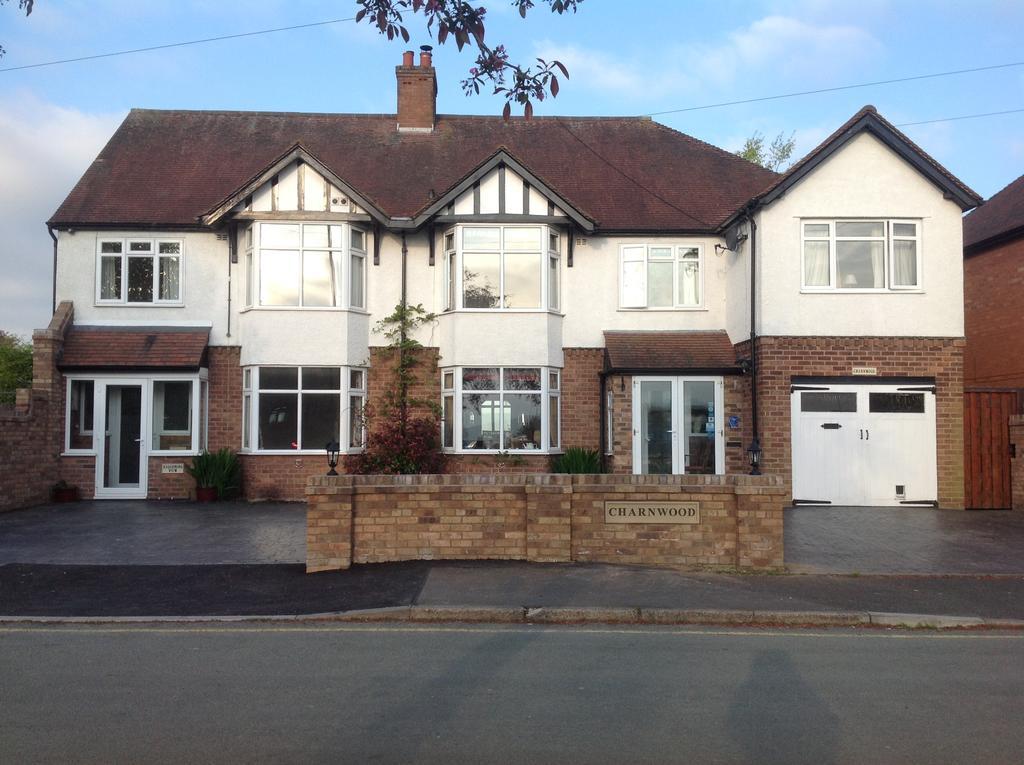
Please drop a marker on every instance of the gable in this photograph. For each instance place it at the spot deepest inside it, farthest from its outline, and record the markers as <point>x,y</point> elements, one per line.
<point>299,186</point>
<point>503,191</point>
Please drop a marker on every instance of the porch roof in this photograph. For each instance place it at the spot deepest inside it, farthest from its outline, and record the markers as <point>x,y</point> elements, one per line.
<point>676,352</point>
<point>134,348</point>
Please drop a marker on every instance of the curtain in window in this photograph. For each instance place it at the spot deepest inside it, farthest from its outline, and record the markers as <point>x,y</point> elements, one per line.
<point>816,264</point>
<point>689,283</point>
<point>878,265</point>
<point>110,278</point>
<point>904,263</point>
<point>170,279</point>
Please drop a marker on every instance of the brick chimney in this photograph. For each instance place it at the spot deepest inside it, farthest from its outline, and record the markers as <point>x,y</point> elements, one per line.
<point>417,92</point>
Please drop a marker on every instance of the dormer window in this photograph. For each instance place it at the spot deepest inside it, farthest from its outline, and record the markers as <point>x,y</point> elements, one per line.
<point>511,268</point>
<point>305,265</point>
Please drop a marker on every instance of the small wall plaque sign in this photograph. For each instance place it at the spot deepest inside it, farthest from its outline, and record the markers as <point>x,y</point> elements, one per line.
<point>651,512</point>
<point>865,371</point>
<point>172,467</point>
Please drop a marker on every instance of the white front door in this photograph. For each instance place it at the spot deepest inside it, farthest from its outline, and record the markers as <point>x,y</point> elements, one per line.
<point>677,425</point>
<point>121,464</point>
<point>864,444</point>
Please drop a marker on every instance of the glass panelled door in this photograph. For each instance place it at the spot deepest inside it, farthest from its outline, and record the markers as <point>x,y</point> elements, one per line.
<point>657,428</point>
<point>121,463</point>
<point>677,425</point>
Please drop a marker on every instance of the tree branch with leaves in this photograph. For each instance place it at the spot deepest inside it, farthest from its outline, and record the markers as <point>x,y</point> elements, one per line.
<point>775,156</point>
<point>462,22</point>
<point>23,5</point>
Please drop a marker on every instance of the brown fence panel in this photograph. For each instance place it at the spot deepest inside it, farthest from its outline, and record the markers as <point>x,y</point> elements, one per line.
<point>987,447</point>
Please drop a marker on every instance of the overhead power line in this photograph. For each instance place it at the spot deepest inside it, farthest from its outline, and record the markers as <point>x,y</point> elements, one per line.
<point>174,45</point>
<point>776,97</point>
<point>962,117</point>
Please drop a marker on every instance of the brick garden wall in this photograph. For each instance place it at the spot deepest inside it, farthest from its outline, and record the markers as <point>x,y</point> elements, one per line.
<point>31,435</point>
<point>779,359</point>
<point>1017,462</point>
<point>361,519</point>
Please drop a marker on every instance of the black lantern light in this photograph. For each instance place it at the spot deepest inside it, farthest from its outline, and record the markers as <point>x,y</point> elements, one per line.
<point>333,448</point>
<point>754,456</point>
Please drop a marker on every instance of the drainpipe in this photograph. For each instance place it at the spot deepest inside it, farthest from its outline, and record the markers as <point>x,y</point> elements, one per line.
<point>755,442</point>
<point>232,257</point>
<point>53,299</point>
<point>402,349</point>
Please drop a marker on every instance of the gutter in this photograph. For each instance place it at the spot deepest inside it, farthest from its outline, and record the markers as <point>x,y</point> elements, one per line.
<point>53,297</point>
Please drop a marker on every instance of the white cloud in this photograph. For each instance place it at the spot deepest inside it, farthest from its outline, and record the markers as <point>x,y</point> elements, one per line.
<point>780,45</point>
<point>44,149</point>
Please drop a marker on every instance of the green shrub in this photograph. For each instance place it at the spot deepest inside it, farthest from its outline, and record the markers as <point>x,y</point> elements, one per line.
<point>576,459</point>
<point>220,470</point>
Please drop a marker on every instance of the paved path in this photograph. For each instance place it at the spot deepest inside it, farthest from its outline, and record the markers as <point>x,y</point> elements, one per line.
<point>134,533</point>
<point>903,540</point>
<point>426,694</point>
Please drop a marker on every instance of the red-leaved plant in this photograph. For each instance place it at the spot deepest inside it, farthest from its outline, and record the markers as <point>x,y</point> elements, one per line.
<point>392,448</point>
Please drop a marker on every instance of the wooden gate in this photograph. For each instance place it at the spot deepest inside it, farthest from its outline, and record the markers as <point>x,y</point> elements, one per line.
<point>987,447</point>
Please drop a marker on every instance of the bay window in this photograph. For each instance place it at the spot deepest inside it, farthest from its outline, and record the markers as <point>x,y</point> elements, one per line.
<point>872,255</point>
<point>302,408</point>
<point>661,276</point>
<point>511,267</point>
<point>139,271</point>
<point>307,265</point>
<point>496,409</point>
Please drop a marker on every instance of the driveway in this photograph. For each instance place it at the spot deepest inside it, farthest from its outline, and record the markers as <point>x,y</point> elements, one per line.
<point>135,533</point>
<point>903,540</point>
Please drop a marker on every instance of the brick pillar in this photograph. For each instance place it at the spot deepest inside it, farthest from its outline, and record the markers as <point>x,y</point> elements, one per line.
<point>1017,463</point>
<point>759,542</point>
<point>549,520</point>
<point>329,523</point>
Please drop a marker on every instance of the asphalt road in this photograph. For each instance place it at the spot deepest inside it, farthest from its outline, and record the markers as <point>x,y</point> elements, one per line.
<point>368,693</point>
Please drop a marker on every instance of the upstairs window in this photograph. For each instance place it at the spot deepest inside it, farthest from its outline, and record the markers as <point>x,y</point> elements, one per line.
<point>139,271</point>
<point>661,276</point>
<point>309,265</point>
<point>862,255</point>
<point>501,268</point>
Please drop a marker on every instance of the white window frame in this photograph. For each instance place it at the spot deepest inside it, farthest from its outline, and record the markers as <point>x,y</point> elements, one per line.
<point>887,239</point>
<point>154,255</point>
<point>251,399</point>
<point>546,231</point>
<point>200,408</point>
<point>640,252</point>
<point>546,393</point>
<point>347,250</point>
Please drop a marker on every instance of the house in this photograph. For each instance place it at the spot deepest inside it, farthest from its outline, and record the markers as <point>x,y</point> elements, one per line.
<point>994,357</point>
<point>600,282</point>
<point>994,290</point>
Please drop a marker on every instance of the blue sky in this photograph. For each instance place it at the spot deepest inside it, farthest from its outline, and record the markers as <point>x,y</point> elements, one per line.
<point>624,58</point>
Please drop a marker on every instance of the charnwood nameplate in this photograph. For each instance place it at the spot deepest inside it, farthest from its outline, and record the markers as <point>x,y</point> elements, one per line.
<point>651,512</point>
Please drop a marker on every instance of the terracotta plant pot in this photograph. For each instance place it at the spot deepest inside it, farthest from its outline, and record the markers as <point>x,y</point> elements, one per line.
<point>206,494</point>
<point>70,494</point>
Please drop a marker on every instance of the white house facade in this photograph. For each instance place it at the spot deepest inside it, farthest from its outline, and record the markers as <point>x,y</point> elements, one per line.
<point>598,282</point>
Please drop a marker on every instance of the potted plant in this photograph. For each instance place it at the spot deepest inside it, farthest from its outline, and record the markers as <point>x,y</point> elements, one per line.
<point>217,474</point>
<point>62,492</point>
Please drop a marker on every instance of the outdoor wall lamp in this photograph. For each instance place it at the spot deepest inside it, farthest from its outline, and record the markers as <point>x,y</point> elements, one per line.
<point>754,455</point>
<point>333,447</point>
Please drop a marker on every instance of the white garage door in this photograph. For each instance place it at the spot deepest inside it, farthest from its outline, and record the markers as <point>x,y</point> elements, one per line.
<point>864,444</point>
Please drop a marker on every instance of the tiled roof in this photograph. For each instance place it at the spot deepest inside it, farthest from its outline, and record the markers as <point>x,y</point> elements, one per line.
<point>167,168</point>
<point>123,348</point>
<point>654,351</point>
<point>1001,215</point>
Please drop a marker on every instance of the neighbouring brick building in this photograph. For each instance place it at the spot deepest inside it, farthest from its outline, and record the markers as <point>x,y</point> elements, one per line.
<point>607,283</point>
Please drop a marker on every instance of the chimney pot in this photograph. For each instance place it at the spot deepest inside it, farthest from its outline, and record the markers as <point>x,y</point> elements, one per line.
<point>407,59</point>
<point>426,56</point>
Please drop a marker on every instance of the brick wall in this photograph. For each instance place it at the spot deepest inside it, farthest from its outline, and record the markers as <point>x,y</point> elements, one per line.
<point>359,519</point>
<point>1017,462</point>
<point>31,435</point>
<point>225,392</point>
<point>993,311</point>
<point>781,358</point>
<point>581,397</point>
